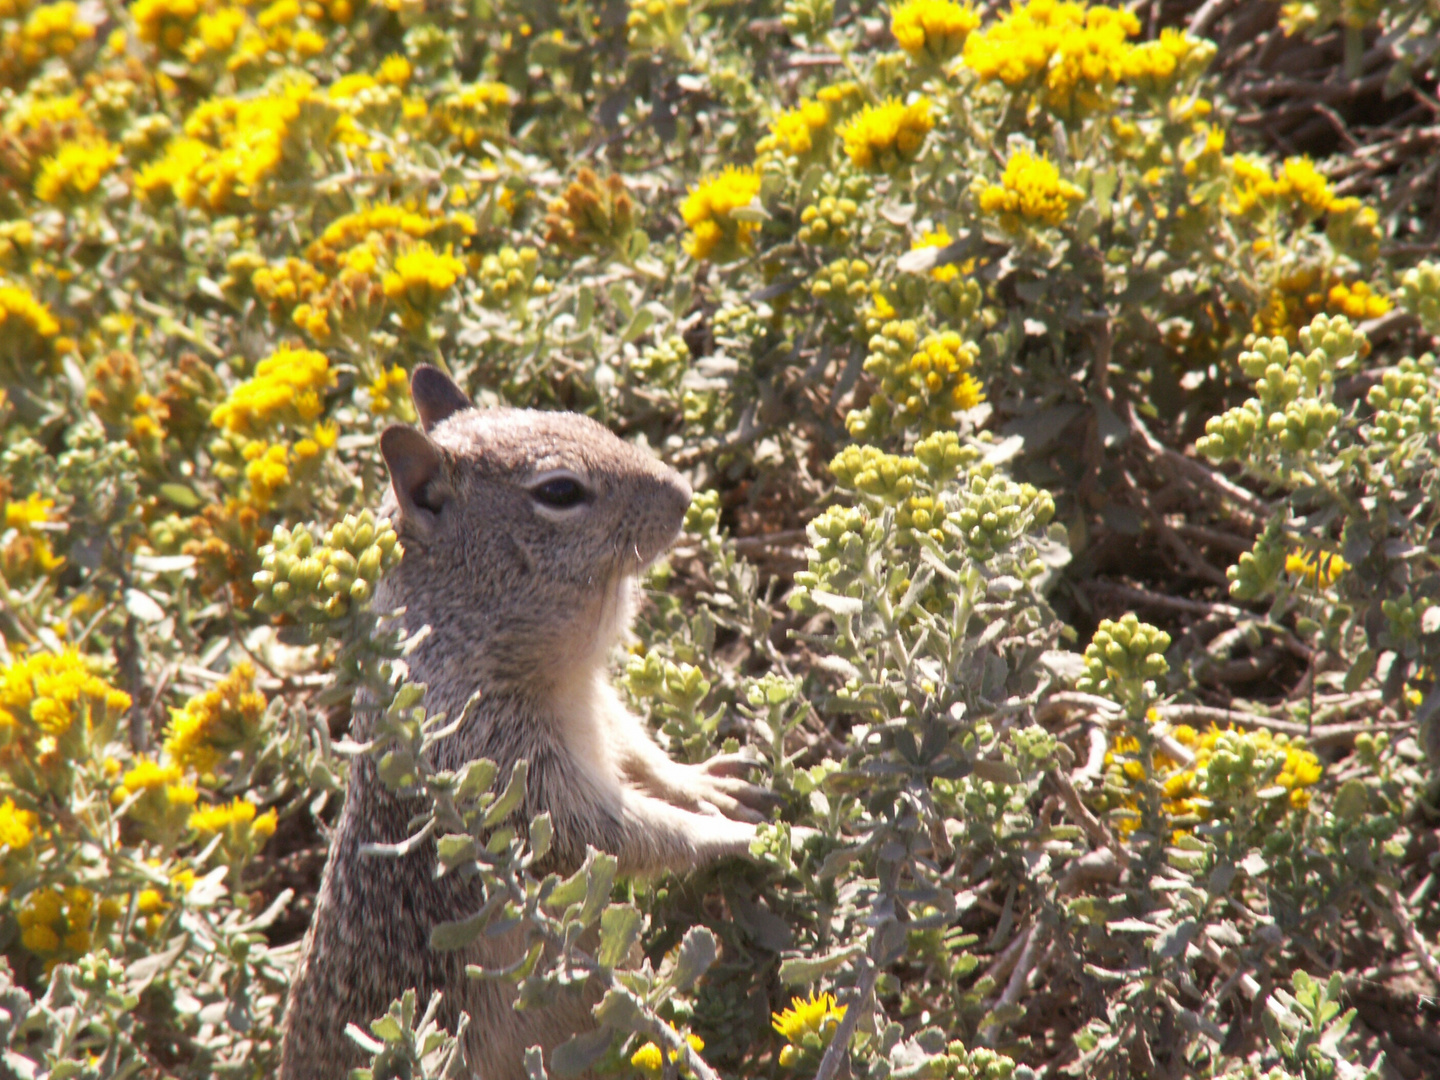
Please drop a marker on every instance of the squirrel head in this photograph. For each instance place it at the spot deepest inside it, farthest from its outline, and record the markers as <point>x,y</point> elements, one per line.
<point>523,531</point>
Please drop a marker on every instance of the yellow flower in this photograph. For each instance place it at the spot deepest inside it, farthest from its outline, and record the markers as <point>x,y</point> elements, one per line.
<point>649,1061</point>
<point>1155,66</point>
<point>148,775</point>
<point>394,70</point>
<point>814,1019</point>
<point>939,238</point>
<point>222,816</point>
<point>479,112</point>
<point>50,704</point>
<point>28,553</point>
<point>17,827</point>
<point>933,30</point>
<point>883,137</point>
<point>164,23</point>
<point>75,170</point>
<point>51,30</point>
<point>796,131</point>
<point>54,922</point>
<point>1030,191</point>
<point>1072,55</point>
<point>1316,568</point>
<point>286,389</point>
<point>420,277</point>
<point>1358,301</point>
<point>244,832</point>
<point>224,718</point>
<point>709,211</point>
<point>1298,187</point>
<point>389,393</point>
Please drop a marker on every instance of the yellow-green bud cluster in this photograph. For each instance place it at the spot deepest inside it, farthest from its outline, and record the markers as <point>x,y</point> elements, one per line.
<point>830,221</point>
<point>842,285</point>
<point>168,534</point>
<point>1369,747</point>
<point>510,276</point>
<point>1257,570</point>
<point>739,326</point>
<point>944,456</point>
<point>1420,294</point>
<point>1122,656</point>
<point>1336,337</point>
<point>1292,407</point>
<point>769,690</point>
<point>920,513</point>
<point>316,582</point>
<point>870,470</point>
<point>1403,618</point>
<point>678,684</point>
<point>703,515</point>
<point>656,24</point>
<point>1243,761</point>
<point>840,539</point>
<point>921,383</point>
<point>1033,743</point>
<point>995,511</point>
<point>1405,401</point>
<point>977,1064</point>
<point>663,363</point>
<point>807,17</point>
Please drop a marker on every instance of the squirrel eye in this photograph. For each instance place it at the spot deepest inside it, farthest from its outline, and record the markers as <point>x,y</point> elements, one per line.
<point>560,492</point>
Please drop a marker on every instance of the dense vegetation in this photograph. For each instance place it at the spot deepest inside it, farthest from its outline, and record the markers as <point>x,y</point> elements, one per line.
<point>1065,542</point>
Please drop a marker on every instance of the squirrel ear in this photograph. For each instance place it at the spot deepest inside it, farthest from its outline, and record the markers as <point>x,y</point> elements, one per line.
<point>435,395</point>
<point>415,472</point>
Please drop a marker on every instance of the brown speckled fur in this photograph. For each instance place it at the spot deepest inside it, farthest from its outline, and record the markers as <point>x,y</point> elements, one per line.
<point>524,603</point>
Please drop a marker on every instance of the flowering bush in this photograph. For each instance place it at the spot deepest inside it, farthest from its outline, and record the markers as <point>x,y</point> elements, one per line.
<point>974,329</point>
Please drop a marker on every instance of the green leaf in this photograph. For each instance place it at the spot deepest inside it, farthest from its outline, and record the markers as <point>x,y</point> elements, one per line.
<point>449,936</point>
<point>619,930</point>
<point>512,796</point>
<point>455,848</point>
<point>697,952</point>
<point>476,778</point>
<point>387,1028</point>
<point>582,1052</point>
<point>181,496</point>
<point>801,971</point>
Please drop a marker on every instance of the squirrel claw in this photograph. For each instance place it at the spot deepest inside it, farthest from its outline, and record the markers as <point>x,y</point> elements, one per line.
<point>737,764</point>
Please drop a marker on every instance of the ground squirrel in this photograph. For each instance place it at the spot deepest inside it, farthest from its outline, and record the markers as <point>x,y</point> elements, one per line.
<point>523,534</point>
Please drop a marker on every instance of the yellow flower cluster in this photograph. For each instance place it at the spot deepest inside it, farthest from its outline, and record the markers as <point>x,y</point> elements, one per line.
<point>479,112</point>
<point>17,826</point>
<point>1156,65</point>
<point>50,707</point>
<point>1030,191</point>
<point>807,1026</point>
<point>28,554</point>
<point>419,280</point>
<point>49,30</point>
<point>285,389</point>
<point>933,30</point>
<point>1317,568</point>
<point>797,131</point>
<point>1298,184</point>
<point>649,1061</point>
<point>57,925</point>
<point>75,170</point>
<point>390,394</point>
<point>164,800</point>
<point>217,722</point>
<point>242,830</point>
<point>233,147</point>
<point>923,387</point>
<point>1229,771</point>
<point>709,211</point>
<point>884,137</point>
<point>1071,53</point>
<point>28,333</point>
<point>1357,301</point>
